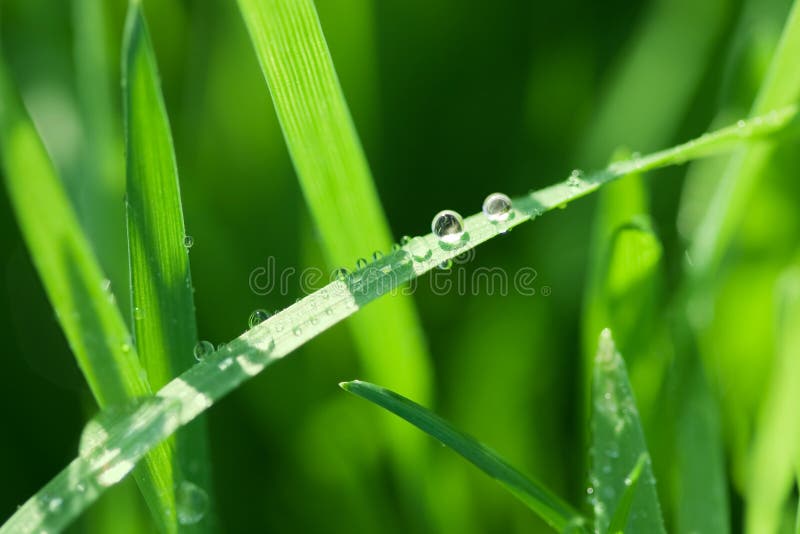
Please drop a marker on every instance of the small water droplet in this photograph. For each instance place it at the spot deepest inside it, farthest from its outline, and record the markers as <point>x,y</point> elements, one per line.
<point>106,285</point>
<point>257,317</point>
<point>741,124</point>
<point>125,348</point>
<point>138,313</point>
<point>54,504</point>
<point>203,349</point>
<point>341,274</point>
<point>575,179</point>
<point>396,247</point>
<point>314,320</point>
<point>188,241</point>
<point>329,311</point>
<point>497,207</point>
<point>405,240</point>
<point>361,263</point>
<point>589,490</point>
<point>448,226</point>
<point>628,481</point>
<point>191,502</point>
<point>446,265</point>
<point>377,255</point>
<point>297,330</point>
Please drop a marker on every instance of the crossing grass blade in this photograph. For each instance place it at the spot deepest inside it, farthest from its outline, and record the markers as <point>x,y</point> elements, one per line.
<point>618,446</point>
<point>538,498</point>
<point>78,291</point>
<point>776,450</point>
<point>196,390</point>
<point>335,178</point>
<point>165,330</point>
<point>728,204</point>
<point>623,511</point>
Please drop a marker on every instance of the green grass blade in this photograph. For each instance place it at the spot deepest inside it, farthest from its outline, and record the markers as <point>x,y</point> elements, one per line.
<point>102,180</point>
<point>73,280</point>
<point>623,511</point>
<point>729,202</point>
<point>701,489</point>
<point>196,390</point>
<point>165,330</point>
<point>548,506</point>
<point>335,177</point>
<point>618,444</point>
<point>776,451</point>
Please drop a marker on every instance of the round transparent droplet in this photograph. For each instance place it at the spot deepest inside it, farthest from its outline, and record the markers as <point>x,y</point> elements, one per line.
<point>257,317</point>
<point>203,349</point>
<point>191,502</point>
<point>405,240</point>
<point>188,241</point>
<point>361,263</point>
<point>396,247</point>
<point>341,274</point>
<point>377,255</point>
<point>138,313</point>
<point>575,179</point>
<point>448,226</point>
<point>297,330</point>
<point>446,265</point>
<point>497,207</point>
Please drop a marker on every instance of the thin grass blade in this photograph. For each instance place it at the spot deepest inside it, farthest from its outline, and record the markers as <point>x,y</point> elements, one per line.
<point>623,511</point>
<point>618,445</point>
<point>197,389</point>
<point>538,498</point>
<point>335,178</point>
<point>164,322</point>
<point>776,451</point>
<point>79,292</point>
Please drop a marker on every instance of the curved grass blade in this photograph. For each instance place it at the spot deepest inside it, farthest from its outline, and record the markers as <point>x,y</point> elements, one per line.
<point>623,511</point>
<point>79,292</point>
<point>776,451</point>
<point>544,503</point>
<point>165,330</point>
<point>335,178</point>
<point>196,390</point>
<point>618,445</point>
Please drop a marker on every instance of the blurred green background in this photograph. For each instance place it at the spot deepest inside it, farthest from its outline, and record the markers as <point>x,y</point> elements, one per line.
<point>453,100</point>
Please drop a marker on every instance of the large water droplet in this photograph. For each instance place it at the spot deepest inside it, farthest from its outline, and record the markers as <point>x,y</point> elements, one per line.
<point>257,317</point>
<point>361,263</point>
<point>446,265</point>
<point>575,179</point>
<point>497,207</point>
<point>377,255</point>
<point>191,503</point>
<point>448,226</point>
<point>188,241</point>
<point>341,274</point>
<point>203,349</point>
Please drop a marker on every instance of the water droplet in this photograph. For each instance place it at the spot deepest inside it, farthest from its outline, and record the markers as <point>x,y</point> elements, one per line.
<point>446,265</point>
<point>188,241</point>
<point>361,263</point>
<point>221,347</point>
<point>741,124</point>
<point>589,490</point>
<point>628,481</point>
<point>341,274</point>
<point>329,311</point>
<point>125,347</point>
<point>314,320</point>
<point>54,504</point>
<point>202,349</point>
<point>396,247</point>
<point>575,179</point>
<point>497,207</point>
<point>377,255</point>
<point>405,240</point>
<point>191,503</point>
<point>448,226</point>
<point>297,330</point>
<point>106,285</point>
<point>257,317</point>
<point>138,313</point>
